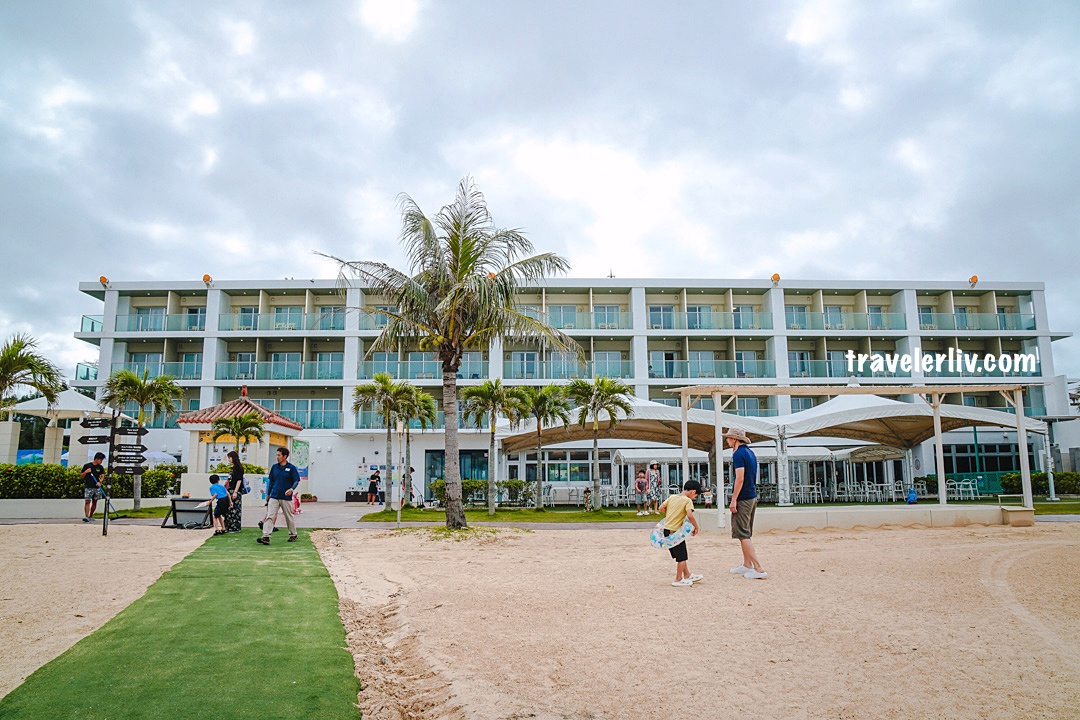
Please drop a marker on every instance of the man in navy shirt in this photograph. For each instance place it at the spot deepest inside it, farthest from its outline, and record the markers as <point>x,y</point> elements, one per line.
<point>744,502</point>
<point>284,479</point>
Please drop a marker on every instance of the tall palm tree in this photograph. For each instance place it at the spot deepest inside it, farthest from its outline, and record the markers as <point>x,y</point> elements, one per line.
<point>487,401</point>
<point>547,405</point>
<point>159,394</point>
<point>603,395</point>
<point>241,428</point>
<point>419,405</point>
<point>383,396</point>
<point>21,365</point>
<point>460,292</point>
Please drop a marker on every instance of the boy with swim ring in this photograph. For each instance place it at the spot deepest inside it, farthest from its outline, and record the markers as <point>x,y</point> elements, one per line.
<point>678,510</point>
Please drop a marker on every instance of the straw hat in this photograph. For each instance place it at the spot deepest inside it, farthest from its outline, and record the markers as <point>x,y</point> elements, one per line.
<point>737,434</point>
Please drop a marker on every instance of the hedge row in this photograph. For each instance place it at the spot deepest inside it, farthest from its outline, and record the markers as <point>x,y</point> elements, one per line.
<point>1065,483</point>
<point>55,482</point>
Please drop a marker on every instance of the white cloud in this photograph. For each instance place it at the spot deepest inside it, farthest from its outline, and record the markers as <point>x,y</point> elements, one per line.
<point>912,155</point>
<point>392,20</point>
<point>203,103</point>
<point>241,35</point>
<point>1038,77</point>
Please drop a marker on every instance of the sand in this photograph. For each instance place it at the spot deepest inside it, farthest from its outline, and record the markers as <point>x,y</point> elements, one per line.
<point>976,622</point>
<point>62,582</point>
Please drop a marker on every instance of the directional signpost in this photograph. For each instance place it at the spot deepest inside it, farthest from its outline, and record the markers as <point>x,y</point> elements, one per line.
<point>94,439</point>
<point>94,423</point>
<point>136,431</point>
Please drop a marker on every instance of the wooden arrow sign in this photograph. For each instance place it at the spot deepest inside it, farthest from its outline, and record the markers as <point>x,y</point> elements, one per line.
<point>131,431</point>
<point>128,448</point>
<point>90,423</point>
<point>129,458</point>
<point>94,439</point>
<point>126,469</point>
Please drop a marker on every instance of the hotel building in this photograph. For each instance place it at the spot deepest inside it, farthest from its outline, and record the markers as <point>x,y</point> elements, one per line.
<point>300,347</point>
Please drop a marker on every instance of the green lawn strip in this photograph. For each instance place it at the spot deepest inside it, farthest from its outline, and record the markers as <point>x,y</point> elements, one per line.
<point>145,512</point>
<point>236,630</point>
<point>513,515</point>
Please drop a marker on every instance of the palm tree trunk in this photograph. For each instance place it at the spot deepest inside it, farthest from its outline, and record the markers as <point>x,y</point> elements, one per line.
<point>408,461</point>
<point>596,468</point>
<point>491,469</point>
<point>539,468</point>
<point>136,481</point>
<point>388,481</point>
<point>455,513</point>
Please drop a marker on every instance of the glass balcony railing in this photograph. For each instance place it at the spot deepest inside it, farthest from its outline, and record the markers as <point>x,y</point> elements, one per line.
<point>371,420</point>
<point>311,370</point>
<point>592,321</point>
<point>92,323</point>
<point>696,369</point>
<point>160,323</point>
<point>1019,369</point>
<point>272,322</point>
<point>86,373</point>
<point>177,370</point>
<point>709,321</point>
<point>1033,411</point>
<point>976,321</point>
<point>157,422</point>
<point>315,419</point>
<point>566,370</point>
<point>756,412</point>
<point>845,321</point>
<point>837,369</point>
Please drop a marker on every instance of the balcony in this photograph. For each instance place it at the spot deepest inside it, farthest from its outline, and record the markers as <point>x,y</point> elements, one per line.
<point>86,373</point>
<point>697,369</point>
<point>845,321</point>
<point>371,420</point>
<point>177,370</point>
<point>311,370</point>
<point>592,321</point>
<point>976,321</point>
<point>709,321</point>
<point>837,369</point>
<point>160,323</point>
<point>566,370</point>
<point>92,324</point>
<point>963,370</point>
<point>270,322</point>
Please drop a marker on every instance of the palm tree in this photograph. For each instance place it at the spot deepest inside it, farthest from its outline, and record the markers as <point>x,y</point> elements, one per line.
<point>160,394</point>
<point>383,396</point>
<point>420,406</point>
<point>607,395</point>
<point>21,365</point>
<point>460,292</point>
<point>241,428</point>
<point>547,405</point>
<point>488,401</point>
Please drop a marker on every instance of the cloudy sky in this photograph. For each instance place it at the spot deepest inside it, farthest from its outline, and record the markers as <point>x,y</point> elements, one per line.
<point>918,140</point>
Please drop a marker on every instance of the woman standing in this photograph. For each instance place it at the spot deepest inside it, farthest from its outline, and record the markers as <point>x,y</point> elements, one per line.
<point>235,486</point>
<point>655,489</point>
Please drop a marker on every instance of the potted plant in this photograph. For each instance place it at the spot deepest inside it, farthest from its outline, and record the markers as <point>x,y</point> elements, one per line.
<point>308,497</point>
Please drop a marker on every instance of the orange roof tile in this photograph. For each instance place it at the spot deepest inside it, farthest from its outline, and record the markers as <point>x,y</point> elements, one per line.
<point>240,406</point>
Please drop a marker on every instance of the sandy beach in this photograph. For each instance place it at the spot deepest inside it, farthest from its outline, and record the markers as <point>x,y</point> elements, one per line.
<point>975,622</point>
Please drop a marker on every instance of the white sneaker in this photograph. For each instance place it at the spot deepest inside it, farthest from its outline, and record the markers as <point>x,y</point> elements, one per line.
<point>741,570</point>
<point>696,578</point>
<point>640,514</point>
<point>683,583</point>
<point>755,575</point>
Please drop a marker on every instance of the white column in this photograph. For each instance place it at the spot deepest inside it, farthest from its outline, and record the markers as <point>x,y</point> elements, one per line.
<point>939,448</point>
<point>684,402</point>
<point>722,511</point>
<point>9,442</point>
<point>54,443</point>
<point>1021,440</point>
<point>783,478</point>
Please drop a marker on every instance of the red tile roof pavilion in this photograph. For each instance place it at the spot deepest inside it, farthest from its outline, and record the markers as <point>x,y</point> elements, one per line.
<point>240,406</point>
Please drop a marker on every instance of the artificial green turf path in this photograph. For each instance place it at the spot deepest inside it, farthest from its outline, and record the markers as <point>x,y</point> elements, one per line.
<point>235,630</point>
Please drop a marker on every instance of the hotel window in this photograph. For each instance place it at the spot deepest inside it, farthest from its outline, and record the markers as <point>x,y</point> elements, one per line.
<point>244,366</point>
<point>837,363</point>
<point>523,365</point>
<point>607,363</point>
<point>744,317</point>
<point>331,317</point>
<point>195,319</point>
<point>701,364</point>
<point>285,366</point>
<point>190,366</point>
<point>662,364</point>
<point>564,366</point>
<point>248,319</point>
<point>289,317</point>
<point>140,362</point>
<point>877,317</point>
<point>378,318</point>
<point>529,310</point>
<point>926,317</point>
<point>795,316</point>
<point>150,318</point>
<point>798,363</point>
<point>961,314</point>
<point>661,317</point>
<point>750,406</point>
<point>329,365</point>
<point>746,363</point>
<point>607,317</point>
<point>424,366</point>
<point>1003,318</point>
<point>699,317</point>
<point>834,317</point>
<point>268,403</point>
<point>472,365</point>
<point>800,403</point>
<point>193,404</point>
<point>563,316</point>
<point>384,362</point>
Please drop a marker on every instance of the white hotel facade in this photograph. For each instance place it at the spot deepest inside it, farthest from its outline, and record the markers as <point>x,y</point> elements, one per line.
<point>300,347</point>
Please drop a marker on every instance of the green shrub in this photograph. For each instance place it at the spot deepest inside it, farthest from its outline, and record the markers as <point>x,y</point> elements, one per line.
<point>55,482</point>
<point>513,488</point>
<point>177,469</point>
<point>468,488</point>
<point>1065,483</point>
<point>249,469</point>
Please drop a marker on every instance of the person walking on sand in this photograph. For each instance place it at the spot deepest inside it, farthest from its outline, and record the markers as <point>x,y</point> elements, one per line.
<point>678,509</point>
<point>641,486</point>
<point>283,481</point>
<point>92,472</point>
<point>744,502</point>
